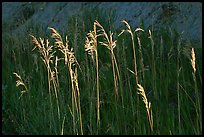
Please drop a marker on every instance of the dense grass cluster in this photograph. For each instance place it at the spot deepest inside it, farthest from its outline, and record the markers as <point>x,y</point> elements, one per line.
<point>98,80</point>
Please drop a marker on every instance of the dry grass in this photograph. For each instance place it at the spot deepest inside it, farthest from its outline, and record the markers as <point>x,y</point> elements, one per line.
<point>129,30</point>
<point>147,105</point>
<point>47,54</point>
<point>91,48</point>
<point>193,60</point>
<point>140,52</point>
<point>132,33</point>
<point>71,62</point>
<point>110,44</point>
<point>197,102</point>
<point>189,52</point>
<point>19,82</point>
<point>115,121</point>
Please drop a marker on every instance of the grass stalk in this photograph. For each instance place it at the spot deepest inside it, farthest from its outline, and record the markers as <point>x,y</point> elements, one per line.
<point>71,62</point>
<point>91,48</point>
<point>140,52</point>
<point>129,30</point>
<point>54,78</point>
<point>154,79</point>
<point>19,82</point>
<point>110,44</point>
<point>178,89</point>
<point>147,105</point>
<point>129,87</point>
<point>47,55</point>
<point>198,110</point>
<point>62,129</point>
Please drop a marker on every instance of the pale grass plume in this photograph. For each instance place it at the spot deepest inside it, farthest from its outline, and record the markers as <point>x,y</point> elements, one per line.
<point>45,50</point>
<point>90,44</point>
<point>144,98</point>
<point>138,29</point>
<point>110,44</point>
<point>47,53</point>
<point>70,61</point>
<point>56,36</point>
<point>190,54</point>
<point>91,47</point>
<point>91,41</point>
<point>69,56</point>
<point>20,82</point>
<point>193,60</point>
<point>198,105</point>
<point>147,105</point>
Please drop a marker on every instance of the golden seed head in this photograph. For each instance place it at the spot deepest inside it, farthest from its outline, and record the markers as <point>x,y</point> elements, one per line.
<point>193,60</point>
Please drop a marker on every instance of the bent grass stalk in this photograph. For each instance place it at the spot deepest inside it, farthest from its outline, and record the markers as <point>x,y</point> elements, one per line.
<point>147,105</point>
<point>111,44</point>
<point>129,30</point>
<point>198,111</point>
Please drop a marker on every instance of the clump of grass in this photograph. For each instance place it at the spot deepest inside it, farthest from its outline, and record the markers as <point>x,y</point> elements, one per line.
<point>47,54</point>
<point>92,49</point>
<point>174,115</point>
<point>71,63</point>
<point>110,44</point>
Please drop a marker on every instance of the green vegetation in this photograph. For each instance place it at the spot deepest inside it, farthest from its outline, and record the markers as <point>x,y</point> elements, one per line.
<point>96,79</point>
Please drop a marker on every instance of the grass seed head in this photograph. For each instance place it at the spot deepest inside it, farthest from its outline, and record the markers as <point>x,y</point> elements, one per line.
<point>193,59</point>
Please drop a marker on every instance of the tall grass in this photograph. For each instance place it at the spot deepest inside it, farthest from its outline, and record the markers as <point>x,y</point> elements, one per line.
<point>129,30</point>
<point>91,46</point>
<point>47,54</point>
<point>65,91</point>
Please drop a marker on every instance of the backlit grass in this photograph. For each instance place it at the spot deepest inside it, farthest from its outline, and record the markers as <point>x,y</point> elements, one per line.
<point>96,80</point>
